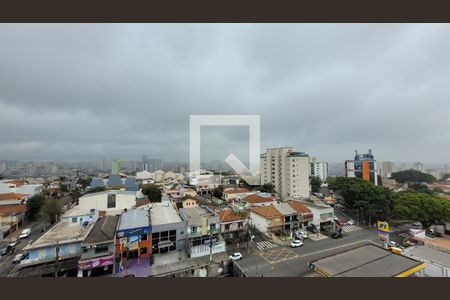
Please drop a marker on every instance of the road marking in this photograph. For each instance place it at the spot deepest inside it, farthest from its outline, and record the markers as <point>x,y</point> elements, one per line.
<point>334,248</point>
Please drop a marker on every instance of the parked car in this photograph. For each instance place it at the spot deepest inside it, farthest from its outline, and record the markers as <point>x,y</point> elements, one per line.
<point>312,228</point>
<point>5,250</point>
<point>337,235</point>
<point>45,227</point>
<point>19,257</point>
<point>351,222</point>
<point>393,244</point>
<point>236,256</point>
<point>14,243</point>
<point>303,234</point>
<point>296,244</point>
<point>25,233</point>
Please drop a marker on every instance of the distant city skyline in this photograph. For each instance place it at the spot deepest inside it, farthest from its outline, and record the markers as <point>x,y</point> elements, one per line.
<point>80,91</point>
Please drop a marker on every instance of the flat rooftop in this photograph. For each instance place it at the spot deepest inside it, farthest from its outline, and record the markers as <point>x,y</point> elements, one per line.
<point>62,233</point>
<point>77,211</point>
<point>366,261</point>
<point>134,218</point>
<point>196,212</point>
<point>162,213</point>
<point>104,230</point>
<point>430,254</point>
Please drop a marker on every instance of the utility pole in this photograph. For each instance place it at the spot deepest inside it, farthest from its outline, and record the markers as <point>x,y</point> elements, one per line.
<point>210,245</point>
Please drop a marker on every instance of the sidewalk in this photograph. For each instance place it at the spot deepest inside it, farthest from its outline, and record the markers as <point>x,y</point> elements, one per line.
<point>314,237</point>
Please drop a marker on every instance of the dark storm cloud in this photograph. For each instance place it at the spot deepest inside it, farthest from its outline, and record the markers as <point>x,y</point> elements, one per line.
<point>74,91</point>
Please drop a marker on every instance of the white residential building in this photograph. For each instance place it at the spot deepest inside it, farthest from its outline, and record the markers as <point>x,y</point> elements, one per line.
<point>112,202</point>
<point>287,170</point>
<point>319,169</point>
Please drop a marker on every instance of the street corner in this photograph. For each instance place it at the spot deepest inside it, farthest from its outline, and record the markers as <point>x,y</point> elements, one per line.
<point>277,255</point>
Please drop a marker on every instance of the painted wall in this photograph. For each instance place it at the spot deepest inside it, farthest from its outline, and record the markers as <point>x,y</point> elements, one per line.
<point>100,201</point>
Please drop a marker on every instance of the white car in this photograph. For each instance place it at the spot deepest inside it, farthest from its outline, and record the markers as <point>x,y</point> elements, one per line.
<point>236,256</point>
<point>393,244</point>
<point>296,244</point>
<point>25,233</point>
<point>303,234</point>
<point>351,222</point>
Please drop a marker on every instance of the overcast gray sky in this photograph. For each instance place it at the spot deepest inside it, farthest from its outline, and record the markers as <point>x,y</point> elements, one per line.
<point>78,91</point>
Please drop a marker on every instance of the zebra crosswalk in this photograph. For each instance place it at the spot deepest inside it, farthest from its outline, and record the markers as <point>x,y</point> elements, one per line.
<point>350,228</point>
<point>265,245</point>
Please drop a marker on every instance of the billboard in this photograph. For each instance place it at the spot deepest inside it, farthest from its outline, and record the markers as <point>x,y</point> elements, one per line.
<point>383,226</point>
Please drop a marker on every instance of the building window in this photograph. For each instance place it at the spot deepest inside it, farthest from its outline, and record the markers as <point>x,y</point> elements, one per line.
<point>240,224</point>
<point>74,220</point>
<point>144,250</point>
<point>101,249</point>
<point>111,201</point>
<point>194,229</point>
<point>143,237</point>
<point>227,226</point>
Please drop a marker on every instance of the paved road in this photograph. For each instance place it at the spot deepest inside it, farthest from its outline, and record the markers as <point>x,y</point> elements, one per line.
<point>6,265</point>
<point>288,262</point>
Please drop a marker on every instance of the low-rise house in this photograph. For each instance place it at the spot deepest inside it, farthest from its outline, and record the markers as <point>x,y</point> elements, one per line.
<point>61,242</point>
<point>133,243</point>
<point>305,216</point>
<point>115,181</point>
<point>79,215</point>
<point>233,224</point>
<point>267,219</point>
<point>258,199</point>
<point>290,215</point>
<point>189,202</point>
<point>323,215</point>
<point>174,193</point>
<point>98,248</point>
<point>203,231</point>
<point>112,202</point>
<point>168,229</point>
<point>19,187</point>
<point>11,217</point>
<point>236,193</point>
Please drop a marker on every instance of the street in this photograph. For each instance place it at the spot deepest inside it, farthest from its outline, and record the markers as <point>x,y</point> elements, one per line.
<point>293,262</point>
<point>6,265</point>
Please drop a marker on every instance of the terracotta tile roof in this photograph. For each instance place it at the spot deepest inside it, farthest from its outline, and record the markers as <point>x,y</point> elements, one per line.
<point>12,196</point>
<point>268,211</point>
<point>17,182</point>
<point>228,215</point>
<point>258,199</point>
<point>298,207</point>
<point>236,190</point>
<point>9,209</point>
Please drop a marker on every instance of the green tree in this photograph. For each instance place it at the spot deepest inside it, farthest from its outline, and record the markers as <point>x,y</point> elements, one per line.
<point>267,188</point>
<point>420,188</point>
<point>315,183</point>
<point>34,206</point>
<point>412,176</point>
<point>331,180</point>
<point>218,191</point>
<point>84,181</point>
<point>153,192</point>
<point>445,177</point>
<point>370,200</point>
<point>423,207</point>
<point>52,209</point>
